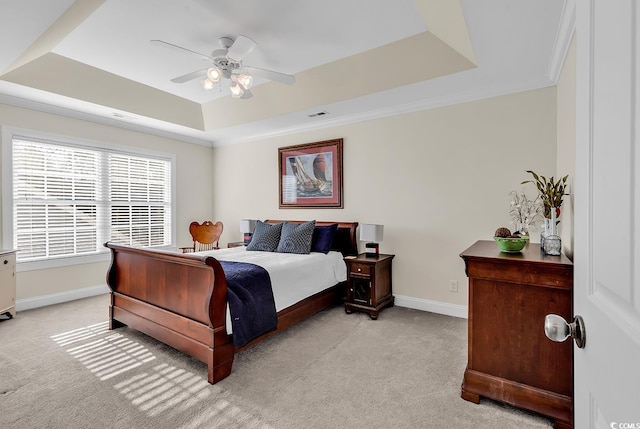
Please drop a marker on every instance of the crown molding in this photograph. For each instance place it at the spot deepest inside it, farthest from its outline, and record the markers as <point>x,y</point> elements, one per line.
<point>102,120</point>
<point>485,92</point>
<point>426,104</point>
<point>561,45</point>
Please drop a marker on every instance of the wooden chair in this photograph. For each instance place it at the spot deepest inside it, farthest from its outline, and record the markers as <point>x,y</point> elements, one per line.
<point>205,236</point>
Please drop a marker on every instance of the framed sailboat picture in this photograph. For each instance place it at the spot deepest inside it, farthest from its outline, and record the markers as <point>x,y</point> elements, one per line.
<point>311,175</point>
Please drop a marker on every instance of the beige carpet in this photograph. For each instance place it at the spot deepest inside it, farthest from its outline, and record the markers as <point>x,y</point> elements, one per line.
<point>61,368</point>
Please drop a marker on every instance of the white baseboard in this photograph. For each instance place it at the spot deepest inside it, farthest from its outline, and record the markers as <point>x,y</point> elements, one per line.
<point>447,309</point>
<point>57,298</point>
<point>432,306</point>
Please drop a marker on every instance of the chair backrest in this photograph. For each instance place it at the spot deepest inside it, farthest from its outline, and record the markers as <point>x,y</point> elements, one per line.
<point>205,235</point>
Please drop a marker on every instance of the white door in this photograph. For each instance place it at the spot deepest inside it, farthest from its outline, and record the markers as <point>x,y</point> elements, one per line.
<point>607,214</point>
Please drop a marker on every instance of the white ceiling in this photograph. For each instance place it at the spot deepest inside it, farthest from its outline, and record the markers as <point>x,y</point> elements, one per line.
<point>46,46</point>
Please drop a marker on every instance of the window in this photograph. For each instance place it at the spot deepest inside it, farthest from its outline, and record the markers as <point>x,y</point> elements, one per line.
<point>68,199</point>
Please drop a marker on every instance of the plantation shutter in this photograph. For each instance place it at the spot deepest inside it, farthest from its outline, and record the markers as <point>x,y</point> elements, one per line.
<point>68,200</point>
<point>140,203</point>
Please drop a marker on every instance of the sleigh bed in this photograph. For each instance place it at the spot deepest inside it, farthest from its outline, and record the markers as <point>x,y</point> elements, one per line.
<point>182,299</point>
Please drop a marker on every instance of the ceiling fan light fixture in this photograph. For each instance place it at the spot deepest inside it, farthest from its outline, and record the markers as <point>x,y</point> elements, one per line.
<point>246,80</point>
<point>207,84</point>
<point>227,63</point>
<point>236,89</point>
<point>214,74</point>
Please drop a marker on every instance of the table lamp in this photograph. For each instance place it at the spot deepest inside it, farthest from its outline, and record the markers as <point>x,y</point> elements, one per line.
<point>372,234</point>
<point>246,228</point>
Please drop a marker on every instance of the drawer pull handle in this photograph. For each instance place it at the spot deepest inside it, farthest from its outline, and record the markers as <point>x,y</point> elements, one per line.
<point>359,269</point>
<point>6,261</point>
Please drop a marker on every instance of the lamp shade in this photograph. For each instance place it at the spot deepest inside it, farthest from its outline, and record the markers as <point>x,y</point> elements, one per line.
<point>207,84</point>
<point>236,89</point>
<point>247,225</point>
<point>245,80</point>
<point>214,74</point>
<point>371,232</point>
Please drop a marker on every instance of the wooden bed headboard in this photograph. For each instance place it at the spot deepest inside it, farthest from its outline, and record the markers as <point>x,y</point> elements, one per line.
<point>345,240</point>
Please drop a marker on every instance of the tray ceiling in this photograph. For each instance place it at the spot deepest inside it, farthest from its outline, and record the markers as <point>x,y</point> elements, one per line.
<point>354,60</point>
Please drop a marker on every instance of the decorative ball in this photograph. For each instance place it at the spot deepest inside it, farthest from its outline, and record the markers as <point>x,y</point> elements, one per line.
<point>502,232</point>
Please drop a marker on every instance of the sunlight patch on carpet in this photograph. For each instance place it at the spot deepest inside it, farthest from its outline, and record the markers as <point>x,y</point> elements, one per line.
<point>222,414</point>
<point>104,353</point>
<point>164,388</point>
<point>106,357</point>
<point>81,334</point>
<point>161,390</point>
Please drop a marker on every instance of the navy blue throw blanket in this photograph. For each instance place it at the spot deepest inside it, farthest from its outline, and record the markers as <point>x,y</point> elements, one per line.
<point>251,304</point>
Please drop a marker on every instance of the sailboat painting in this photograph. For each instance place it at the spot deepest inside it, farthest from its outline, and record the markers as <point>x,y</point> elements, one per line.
<point>311,175</point>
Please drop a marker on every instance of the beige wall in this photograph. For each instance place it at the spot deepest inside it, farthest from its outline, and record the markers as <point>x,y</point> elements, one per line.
<point>194,199</point>
<point>566,90</point>
<point>437,179</point>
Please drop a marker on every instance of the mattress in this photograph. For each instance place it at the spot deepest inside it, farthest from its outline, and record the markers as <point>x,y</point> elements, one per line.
<point>293,277</point>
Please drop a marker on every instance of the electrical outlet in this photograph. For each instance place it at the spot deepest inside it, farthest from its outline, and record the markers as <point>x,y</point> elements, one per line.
<point>453,285</point>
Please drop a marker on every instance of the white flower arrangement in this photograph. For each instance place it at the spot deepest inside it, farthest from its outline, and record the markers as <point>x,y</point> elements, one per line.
<point>525,213</point>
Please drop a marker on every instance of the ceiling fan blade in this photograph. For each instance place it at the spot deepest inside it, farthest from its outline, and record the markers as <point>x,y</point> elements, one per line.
<point>172,46</point>
<point>272,75</point>
<point>241,47</point>
<point>190,76</point>
<point>247,94</point>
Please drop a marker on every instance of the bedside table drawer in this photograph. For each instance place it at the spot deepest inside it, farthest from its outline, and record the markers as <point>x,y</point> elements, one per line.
<point>360,269</point>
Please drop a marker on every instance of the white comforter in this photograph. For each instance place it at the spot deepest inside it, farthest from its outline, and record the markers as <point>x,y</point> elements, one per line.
<point>293,277</point>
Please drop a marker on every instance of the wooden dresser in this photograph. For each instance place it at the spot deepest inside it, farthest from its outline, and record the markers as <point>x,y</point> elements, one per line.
<point>510,359</point>
<point>8,283</point>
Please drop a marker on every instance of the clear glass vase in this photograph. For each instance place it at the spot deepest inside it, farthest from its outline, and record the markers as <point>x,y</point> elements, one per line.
<point>550,242</point>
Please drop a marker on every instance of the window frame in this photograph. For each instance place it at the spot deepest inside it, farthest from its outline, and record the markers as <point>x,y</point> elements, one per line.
<point>9,133</point>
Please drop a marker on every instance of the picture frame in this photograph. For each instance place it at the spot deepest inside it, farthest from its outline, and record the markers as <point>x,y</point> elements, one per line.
<point>310,175</point>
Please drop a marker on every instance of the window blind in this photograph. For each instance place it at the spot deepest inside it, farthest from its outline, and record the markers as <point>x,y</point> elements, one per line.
<point>68,200</point>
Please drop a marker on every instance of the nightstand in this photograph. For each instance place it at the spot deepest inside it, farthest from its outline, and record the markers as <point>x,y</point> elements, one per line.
<point>368,284</point>
<point>235,244</point>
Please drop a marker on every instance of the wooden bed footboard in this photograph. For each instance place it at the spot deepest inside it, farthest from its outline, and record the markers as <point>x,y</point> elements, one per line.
<point>178,299</point>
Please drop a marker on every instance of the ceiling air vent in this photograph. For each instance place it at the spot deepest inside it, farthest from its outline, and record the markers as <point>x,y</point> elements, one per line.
<point>322,113</point>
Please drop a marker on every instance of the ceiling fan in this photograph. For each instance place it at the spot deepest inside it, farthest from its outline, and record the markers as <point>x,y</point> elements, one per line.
<point>227,63</point>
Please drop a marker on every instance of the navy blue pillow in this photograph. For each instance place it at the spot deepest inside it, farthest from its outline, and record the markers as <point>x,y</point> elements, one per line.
<point>323,238</point>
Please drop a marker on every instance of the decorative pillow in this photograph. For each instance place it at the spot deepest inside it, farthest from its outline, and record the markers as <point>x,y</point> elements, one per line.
<point>266,237</point>
<point>323,238</point>
<point>296,238</point>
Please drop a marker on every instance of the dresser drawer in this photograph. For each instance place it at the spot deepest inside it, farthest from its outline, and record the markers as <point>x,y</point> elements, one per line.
<point>360,269</point>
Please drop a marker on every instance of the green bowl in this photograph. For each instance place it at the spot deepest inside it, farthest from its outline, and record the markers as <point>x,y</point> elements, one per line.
<point>512,245</point>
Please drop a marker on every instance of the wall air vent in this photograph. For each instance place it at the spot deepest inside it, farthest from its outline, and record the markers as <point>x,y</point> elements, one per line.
<point>322,113</point>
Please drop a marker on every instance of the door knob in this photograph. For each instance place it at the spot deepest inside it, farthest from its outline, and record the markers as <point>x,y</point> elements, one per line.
<point>557,329</point>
